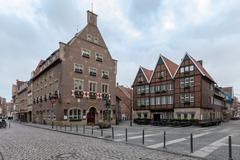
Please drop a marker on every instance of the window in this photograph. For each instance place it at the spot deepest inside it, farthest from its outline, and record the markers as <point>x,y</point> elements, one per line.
<point>147,101</point>
<point>146,88</point>
<point>92,86</point>
<point>105,88</point>
<point>86,53</point>
<point>139,90</point>
<point>152,101</point>
<point>78,84</point>
<point>182,70</point>
<point>75,114</point>
<point>162,74</point>
<point>138,102</point>
<point>191,67</point>
<point>163,87</point>
<point>163,100</point>
<point>186,69</point>
<point>191,97</point>
<point>96,40</point>
<point>192,115</point>
<point>140,79</point>
<point>89,37</point>
<point>152,89</point>
<point>185,115</point>
<point>169,100</point>
<point>157,88</point>
<point>179,116</point>
<point>105,74</point>
<point>145,115</point>
<point>142,89</point>
<point>191,81</point>
<point>187,82</point>
<point>187,97</point>
<point>158,100</point>
<point>139,115</point>
<point>92,71</point>
<point>99,57</point>
<point>142,101</point>
<point>182,83</point>
<point>169,87</point>
<point>182,98</point>
<point>78,68</point>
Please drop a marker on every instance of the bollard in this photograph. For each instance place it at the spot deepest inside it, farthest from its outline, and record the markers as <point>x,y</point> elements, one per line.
<point>92,129</point>
<point>9,125</point>
<point>112,133</point>
<point>164,139</point>
<point>83,129</point>
<point>191,143</point>
<point>126,136</point>
<point>143,137</point>
<point>101,132</point>
<point>230,147</point>
<point>76,128</point>
<point>52,124</point>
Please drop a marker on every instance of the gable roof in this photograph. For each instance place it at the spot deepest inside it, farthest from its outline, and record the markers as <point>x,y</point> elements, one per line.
<point>170,65</point>
<point>147,73</point>
<point>201,69</point>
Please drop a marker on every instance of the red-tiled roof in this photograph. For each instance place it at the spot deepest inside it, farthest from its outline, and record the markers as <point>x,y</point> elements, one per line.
<point>170,65</point>
<point>147,72</point>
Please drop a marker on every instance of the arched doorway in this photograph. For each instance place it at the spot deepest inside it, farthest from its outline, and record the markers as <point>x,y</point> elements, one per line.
<point>91,115</point>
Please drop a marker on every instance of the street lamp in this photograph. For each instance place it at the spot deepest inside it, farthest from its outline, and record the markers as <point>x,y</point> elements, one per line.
<point>53,100</point>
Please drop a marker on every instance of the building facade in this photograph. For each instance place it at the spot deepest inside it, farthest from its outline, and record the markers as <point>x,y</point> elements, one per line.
<point>125,95</point>
<point>171,91</point>
<point>74,83</point>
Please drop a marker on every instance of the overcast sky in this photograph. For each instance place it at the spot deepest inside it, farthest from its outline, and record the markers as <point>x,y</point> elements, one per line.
<point>135,31</point>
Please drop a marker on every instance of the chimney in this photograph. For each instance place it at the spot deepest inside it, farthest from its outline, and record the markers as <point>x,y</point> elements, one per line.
<point>91,18</point>
<point>200,61</point>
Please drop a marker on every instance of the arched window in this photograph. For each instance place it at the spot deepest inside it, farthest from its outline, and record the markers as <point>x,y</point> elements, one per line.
<point>74,114</point>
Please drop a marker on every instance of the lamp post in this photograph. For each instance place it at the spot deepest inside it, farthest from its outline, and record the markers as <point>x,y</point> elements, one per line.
<point>53,100</point>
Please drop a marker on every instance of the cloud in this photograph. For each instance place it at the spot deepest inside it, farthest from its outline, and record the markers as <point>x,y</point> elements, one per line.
<point>136,32</point>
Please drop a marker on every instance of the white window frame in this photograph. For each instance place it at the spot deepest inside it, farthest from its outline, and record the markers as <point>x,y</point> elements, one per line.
<point>86,51</point>
<point>82,84</point>
<point>152,101</point>
<point>99,55</point>
<point>78,66</point>
<point>89,37</point>
<point>191,68</point>
<point>105,84</point>
<point>89,86</point>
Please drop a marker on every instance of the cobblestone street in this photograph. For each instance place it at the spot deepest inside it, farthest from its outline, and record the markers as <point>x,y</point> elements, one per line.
<point>24,143</point>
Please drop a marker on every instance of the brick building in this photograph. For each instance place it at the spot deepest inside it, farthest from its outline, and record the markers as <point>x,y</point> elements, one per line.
<point>74,82</point>
<point>125,96</point>
<point>3,107</point>
<point>171,91</point>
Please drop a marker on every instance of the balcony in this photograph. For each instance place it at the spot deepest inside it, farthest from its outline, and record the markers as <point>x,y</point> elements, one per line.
<point>86,55</point>
<point>78,94</point>
<point>92,95</point>
<point>77,70</point>
<point>94,74</point>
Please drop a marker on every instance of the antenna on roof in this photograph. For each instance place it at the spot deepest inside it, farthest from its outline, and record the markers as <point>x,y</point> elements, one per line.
<point>92,6</point>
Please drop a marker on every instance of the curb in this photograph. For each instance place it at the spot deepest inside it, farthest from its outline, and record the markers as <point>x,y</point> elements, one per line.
<point>110,140</point>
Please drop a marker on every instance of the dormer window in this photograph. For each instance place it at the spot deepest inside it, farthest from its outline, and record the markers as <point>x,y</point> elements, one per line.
<point>92,71</point>
<point>105,74</point>
<point>99,57</point>
<point>86,53</point>
<point>78,68</point>
<point>96,39</point>
<point>89,37</point>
